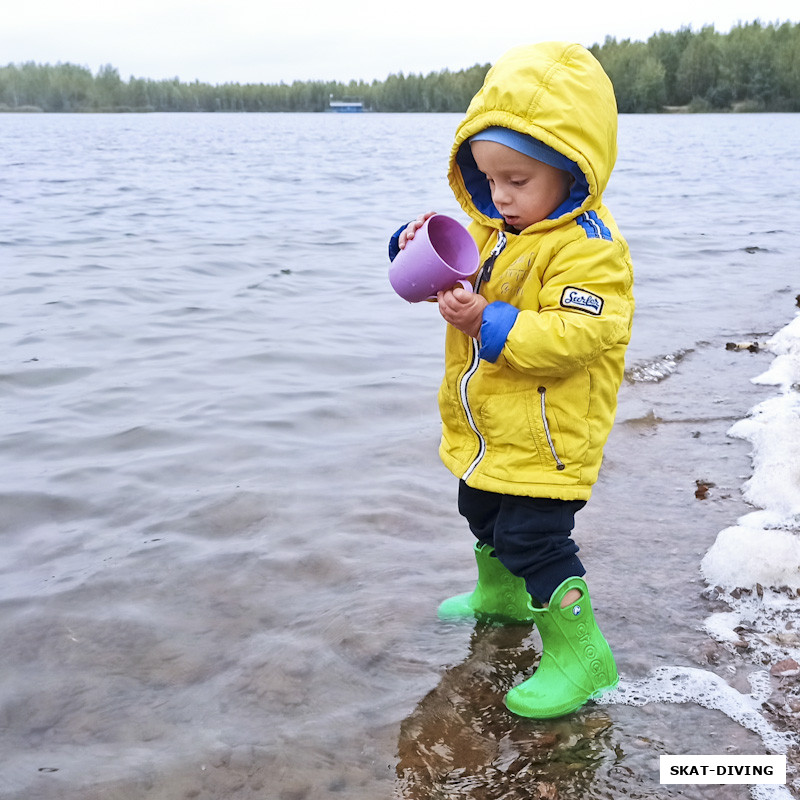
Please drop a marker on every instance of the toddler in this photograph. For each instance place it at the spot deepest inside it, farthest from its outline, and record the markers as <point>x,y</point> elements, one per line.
<point>534,356</point>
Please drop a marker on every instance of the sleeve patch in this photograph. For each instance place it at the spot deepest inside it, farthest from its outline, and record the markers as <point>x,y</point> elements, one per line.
<point>581,300</point>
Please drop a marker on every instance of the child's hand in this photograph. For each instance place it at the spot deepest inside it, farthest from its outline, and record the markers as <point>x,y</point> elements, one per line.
<point>463,309</point>
<point>412,228</point>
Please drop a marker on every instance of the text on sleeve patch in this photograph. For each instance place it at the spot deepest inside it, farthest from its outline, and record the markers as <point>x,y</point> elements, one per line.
<point>581,300</point>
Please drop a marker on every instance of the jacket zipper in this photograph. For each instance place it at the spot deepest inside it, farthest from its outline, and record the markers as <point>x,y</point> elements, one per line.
<point>483,277</point>
<point>473,368</point>
<point>488,265</point>
<point>559,463</point>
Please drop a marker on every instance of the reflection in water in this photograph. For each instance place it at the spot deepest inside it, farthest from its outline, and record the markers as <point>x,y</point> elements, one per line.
<point>461,741</point>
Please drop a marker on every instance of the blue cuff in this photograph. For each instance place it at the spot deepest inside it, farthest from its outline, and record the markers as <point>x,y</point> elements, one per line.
<point>498,320</point>
<point>394,246</point>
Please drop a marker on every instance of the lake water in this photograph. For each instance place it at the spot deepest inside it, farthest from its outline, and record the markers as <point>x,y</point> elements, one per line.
<point>225,529</point>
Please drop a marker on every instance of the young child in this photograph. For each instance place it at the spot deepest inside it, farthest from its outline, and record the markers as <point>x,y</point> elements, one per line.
<point>534,357</point>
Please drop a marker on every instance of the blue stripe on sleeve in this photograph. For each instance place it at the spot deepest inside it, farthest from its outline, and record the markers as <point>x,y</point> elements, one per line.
<point>498,320</point>
<point>605,233</point>
<point>595,227</point>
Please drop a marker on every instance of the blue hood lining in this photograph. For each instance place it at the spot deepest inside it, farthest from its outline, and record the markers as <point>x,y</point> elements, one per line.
<point>478,186</point>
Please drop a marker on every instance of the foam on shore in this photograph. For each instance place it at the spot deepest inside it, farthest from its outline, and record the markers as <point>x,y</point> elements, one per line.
<point>755,568</point>
<point>691,685</point>
<point>755,564</point>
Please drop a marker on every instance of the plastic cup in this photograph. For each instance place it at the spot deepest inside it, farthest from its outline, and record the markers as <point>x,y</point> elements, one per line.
<point>441,254</point>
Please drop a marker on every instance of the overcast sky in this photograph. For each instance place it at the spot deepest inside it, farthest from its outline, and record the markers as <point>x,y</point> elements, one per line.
<point>219,41</point>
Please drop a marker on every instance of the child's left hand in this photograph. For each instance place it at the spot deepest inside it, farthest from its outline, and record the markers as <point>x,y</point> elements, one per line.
<point>462,309</point>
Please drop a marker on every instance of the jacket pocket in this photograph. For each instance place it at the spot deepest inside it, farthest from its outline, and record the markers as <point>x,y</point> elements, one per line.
<point>516,445</point>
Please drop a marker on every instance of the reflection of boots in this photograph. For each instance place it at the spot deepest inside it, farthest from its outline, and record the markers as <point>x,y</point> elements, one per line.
<point>499,596</point>
<point>576,664</point>
<point>459,741</point>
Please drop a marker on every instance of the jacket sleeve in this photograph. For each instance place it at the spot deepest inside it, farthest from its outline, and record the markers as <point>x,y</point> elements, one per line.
<point>498,320</point>
<point>585,308</point>
<point>394,242</point>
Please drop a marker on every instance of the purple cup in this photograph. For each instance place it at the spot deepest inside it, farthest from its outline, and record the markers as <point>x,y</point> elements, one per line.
<point>441,254</point>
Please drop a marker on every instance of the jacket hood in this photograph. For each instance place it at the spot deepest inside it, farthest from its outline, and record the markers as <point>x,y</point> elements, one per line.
<point>557,93</point>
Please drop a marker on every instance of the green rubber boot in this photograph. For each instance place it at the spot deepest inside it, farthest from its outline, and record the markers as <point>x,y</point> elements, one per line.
<point>498,597</point>
<point>576,664</point>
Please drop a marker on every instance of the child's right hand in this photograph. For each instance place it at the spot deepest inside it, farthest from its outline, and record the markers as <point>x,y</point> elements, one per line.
<point>412,228</point>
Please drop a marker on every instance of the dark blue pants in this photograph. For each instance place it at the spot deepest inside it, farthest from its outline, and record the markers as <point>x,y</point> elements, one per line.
<point>531,535</point>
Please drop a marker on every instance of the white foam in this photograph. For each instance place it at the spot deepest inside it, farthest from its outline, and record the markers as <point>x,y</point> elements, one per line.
<point>691,685</point>
<point>763,549</point>
<point>656,371</point>
<point>745,557</point>
<point>764,621</point>
<point>785,369</point>
<point>754,562</point>
<point>766,791</point>
<point>722,626</point>
<point>773,429</point>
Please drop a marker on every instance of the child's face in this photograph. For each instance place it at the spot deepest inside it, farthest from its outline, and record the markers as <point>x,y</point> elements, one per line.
<point>523,190</point>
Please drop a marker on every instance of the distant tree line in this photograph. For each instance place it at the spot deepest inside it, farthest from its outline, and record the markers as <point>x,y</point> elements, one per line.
<point>67,87</point>
<point>754,67</point>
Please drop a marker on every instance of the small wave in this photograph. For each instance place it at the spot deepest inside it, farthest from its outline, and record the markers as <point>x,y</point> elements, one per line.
<point>39,378</point>
<point>657,370</point>
<point>676,684</point>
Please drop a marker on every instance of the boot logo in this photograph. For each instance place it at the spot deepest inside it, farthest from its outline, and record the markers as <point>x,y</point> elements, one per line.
<point>576,611</point>
<point>591,652</point>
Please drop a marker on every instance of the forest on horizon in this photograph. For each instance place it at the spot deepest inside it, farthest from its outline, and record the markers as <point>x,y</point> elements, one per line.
<point>754,67</point>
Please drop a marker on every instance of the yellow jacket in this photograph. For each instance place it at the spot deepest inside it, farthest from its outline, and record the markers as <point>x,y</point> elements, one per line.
<point>527,409</point>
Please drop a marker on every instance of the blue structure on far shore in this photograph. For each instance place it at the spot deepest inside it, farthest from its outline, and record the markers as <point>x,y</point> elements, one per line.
<point>346,107</point>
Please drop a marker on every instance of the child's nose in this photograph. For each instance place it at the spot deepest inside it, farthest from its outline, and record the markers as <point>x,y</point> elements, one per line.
<point>499,195</point>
